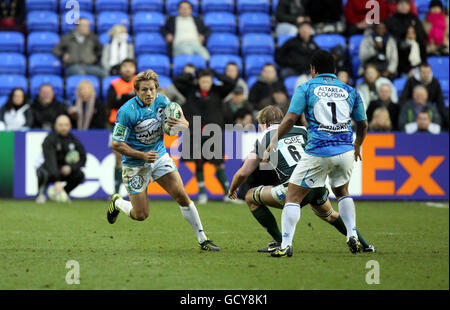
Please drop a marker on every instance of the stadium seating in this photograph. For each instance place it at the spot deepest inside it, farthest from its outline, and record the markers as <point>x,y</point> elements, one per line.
<point>251,81</point>
<point>84,5</point>
<point>41,5</point>
<point>148,21</point>
<point>289,83</point>
<point>399,84</point>
<point>111,5</point>
<point>147,6</point>
<point>42,21</point>
<point>439,65</point>
<point>223,43</point>
<point>11,81</point>
<point>106,83</point>
<point>13,63</point>
<point>217,6</point>
<point>43,63</point>
<point>55,80</point>
<point>159,63</point>
<point>282,39</point>
<point>164,81</point>
<point>67,24</point>
<point>106,20</point>
<point>150,43</point>
<point>72,84</point>
<point>220,22</point>
<point>354,43</point>
<point>12,42</point>
<point>244,6</point>
<point>219,62</point>
<point>328,41</point>
<point>172,7</point>
<point>41,42</point>
<point>255,63</point>
<point>257,43</point>
<point>444,87</point>
<point>254,22</point>
<point>180,61</point>
<point>3,100</point>
<point>274,6</point>
<point>104,38</point>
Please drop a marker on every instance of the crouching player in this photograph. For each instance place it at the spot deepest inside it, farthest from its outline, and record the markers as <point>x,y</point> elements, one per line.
<point>138,136</point>
<point>290,149</point>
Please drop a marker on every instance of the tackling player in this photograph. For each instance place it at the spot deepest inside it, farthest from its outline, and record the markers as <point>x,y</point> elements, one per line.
<point>138,136</point>
<point>289,153</point>
<point>329,107</point>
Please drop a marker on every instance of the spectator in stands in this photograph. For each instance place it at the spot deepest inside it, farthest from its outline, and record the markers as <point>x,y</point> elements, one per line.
<point>244,118</point>
<point>187,34</point>
<point>173,93</point>
<point>436,26</point>
<point>87,112</point>
<point>381,120</point>
<point>385,101</point>
<point>117,50</point>
<point>12,15</point>
<point>232,71</point>
<point>236,102</point>
<point>46,108</point>
<point>419,103</point>
<point>369,89</point>
<point>263,88</point>
<point>380,49</point>
<point>326,15</point>
<point>205,99</point>
<point>391,7</point>
<point>423,124</point>
<point>341,59</point>
<point>279,98</point>
<point>295,54</point>
<point>343,75</point>
<point>80,51</point>
<point>120,91</point>
<point>356,13</point>
<point>399,26</point>
<point>63,158</point>
<point>289,14</point>
<point>16,114</point>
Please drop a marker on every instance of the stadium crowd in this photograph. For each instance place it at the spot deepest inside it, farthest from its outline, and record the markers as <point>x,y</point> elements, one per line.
<point>255,52</point>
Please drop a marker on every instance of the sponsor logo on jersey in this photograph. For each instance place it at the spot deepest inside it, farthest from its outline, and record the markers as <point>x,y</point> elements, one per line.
<point>148,131</point>
<point>331,92</point>
<point>333,128</point>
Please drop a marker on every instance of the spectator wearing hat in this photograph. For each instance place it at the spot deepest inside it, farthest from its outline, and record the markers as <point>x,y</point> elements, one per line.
<point>236,102</point>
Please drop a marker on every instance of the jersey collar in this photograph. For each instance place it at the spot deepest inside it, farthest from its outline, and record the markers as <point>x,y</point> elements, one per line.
<point>327,75</point>
<point>140,103</point>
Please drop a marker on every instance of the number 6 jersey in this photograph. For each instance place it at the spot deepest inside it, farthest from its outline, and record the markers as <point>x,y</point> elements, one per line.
<point>329,107</point>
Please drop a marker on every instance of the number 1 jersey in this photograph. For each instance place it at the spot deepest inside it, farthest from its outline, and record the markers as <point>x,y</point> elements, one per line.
<point>329,107</point>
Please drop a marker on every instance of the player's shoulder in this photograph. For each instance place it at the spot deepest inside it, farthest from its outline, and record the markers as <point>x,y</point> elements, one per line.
<point>161,99</point>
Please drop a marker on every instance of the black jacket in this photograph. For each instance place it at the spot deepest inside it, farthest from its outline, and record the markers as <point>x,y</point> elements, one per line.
<point>324,11</point>
<point>169,27</point>
<point>98,120</point>
<point>435,94</point>
<point>296,54</point>
<point>44,117</point>
<point>262,90</point>
<point>394,111</point>
<point>55,148</point>
<point>289,10</point>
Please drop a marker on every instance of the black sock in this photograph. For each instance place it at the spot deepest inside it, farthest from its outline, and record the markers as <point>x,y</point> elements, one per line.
<point>267,220</point>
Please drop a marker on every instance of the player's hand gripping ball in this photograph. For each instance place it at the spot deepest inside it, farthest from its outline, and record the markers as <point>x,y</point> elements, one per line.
<point>173,109</point>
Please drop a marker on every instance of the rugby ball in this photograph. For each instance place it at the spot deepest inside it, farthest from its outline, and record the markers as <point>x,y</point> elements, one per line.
<point>58,197</point>
<point>173,109</point>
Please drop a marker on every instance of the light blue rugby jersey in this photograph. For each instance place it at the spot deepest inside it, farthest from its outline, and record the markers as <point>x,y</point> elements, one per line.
<point>140,127</point>
<point>329,106</point>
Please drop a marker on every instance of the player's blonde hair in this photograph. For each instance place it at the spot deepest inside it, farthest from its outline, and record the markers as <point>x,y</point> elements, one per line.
<point>148,75</point>
<point>270,115</point>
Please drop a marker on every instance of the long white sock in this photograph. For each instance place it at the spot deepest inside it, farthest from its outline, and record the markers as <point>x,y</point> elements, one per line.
<point>124,205</point>
<point>289,218</point>
<point>348,214</point>
<point>190,213</point>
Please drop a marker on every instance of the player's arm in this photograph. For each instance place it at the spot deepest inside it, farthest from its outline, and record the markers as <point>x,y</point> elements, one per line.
<point>360,118</point>
<point>250,165</point>
<point>125,149</point>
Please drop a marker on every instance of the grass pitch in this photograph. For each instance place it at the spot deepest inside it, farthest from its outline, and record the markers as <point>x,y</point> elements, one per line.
<point>36,241</point>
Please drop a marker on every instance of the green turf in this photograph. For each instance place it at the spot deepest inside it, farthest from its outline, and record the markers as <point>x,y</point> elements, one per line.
<point>36,241</point>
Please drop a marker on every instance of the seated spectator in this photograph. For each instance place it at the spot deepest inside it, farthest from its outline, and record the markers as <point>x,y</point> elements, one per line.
<point>436,27</point>
<point>12,15</point>
<point>117,50</point>
<point>186,33</point>
<point>16,114</point>
<point>423,124</point>
<point>381,120</point>
<point>46,108</point>
<point>263,88</point>
<point>380,49</point>
<point>356,13</point>
<point>80,51</point>
<point>289,14</point>
<point>295,55</point>
<point>279,98</point>
<point>121,90</point>
<point>410,109</point>
<point>391,7</point>
<point>173,93</point>
<point>370,87</point>
<point>344,76</point>
<point>326,15</point>
<point>232,71</point>
<point>244,117</point>
<point>384,101</point>
<point>236,102</point>
<point>399,26</point>
<point>87,112</point>
<point>57,166</point>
